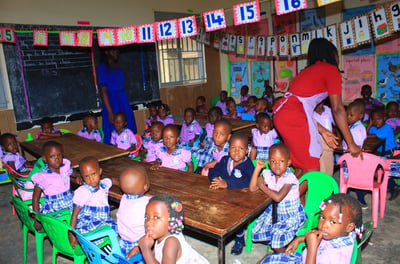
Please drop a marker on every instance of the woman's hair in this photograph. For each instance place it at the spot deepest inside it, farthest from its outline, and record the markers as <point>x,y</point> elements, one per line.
<point>5,136</point>
<point>320,49</point>
<point>175,209</point>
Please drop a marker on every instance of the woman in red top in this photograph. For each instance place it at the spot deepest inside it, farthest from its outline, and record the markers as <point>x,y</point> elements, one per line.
<point>293,113</point>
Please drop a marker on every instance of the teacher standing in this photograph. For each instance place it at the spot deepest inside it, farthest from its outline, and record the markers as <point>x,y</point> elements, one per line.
<point>293,113</point>
<point>112,89</point>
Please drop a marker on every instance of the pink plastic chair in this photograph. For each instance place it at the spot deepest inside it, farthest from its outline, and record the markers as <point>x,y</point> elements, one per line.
<point>361,176</point>
<point>138,146</point>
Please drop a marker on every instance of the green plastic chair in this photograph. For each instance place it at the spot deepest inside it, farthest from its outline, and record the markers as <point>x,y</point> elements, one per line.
<point>214,100</point>
<point>64,131</point>
<point>57,230</point>
<point>24,213</point>
<point>194,161</point>
<point>101,133</point>
<point>356,256</point>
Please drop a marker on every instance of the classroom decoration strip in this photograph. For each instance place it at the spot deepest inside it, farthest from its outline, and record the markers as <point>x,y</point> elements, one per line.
<point>374,25</point>
<point>326,2</point>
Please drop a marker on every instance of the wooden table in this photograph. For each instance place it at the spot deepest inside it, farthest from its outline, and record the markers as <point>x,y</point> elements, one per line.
<point>237,124</point>
<point>75,148</point>
<point>214,214</point>
<point>371,144</point>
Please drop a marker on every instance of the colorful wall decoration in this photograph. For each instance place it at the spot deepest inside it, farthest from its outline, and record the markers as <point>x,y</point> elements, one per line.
<point>238,76</point>
<point>259,73</point>
<point>388,77</point>
<point>284,23</point>
<point>284,72</point>
<point>358,71</point>
<point>312,18</point>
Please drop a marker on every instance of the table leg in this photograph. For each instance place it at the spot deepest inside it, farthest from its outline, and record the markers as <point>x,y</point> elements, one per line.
<point>221,251</point>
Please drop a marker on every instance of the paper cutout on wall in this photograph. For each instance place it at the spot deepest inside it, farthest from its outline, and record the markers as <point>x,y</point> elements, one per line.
<point>67,38</point>
<point>388,77</point>
<point>261,46</point>
<point>217,40</point>
<point>283,45</point>
<point>232,43</point>
<point>7,35</point>
<point>240,45</point>
<point>285,71</point>
<point>167,29</point>
<point>330,33</point>
<point>380,25</point>
<point>146,33</point>
<point>394,16</point>
<point>245,13</point>
<point>284,23</point>
<point>272,46</point>
<point>214,20</point>
<point>126,35</point>
<point>388,46</point>
<point>106,37</point>
<point>40,38</point>
<point>286,6</point>
<point>259,74</point>
<point>238,76</point>
<point>207,38</point>
<point>312,18</point>
<point>347,35</point>
<point>306,38</point>
<point>295,45</point>
<point>200,34</point>
<point>187,26</point>
<point>84,38</point>
<point>362,30</point>
<point>358,71</point>
<point>251,46</point>
<point>225,42</point>
<point>326,2</point>
<point>317,33</point>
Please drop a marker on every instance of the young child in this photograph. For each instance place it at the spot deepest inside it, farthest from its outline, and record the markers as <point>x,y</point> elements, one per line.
<point>370,103</point>
<point>264,136</point>
<point>281,220</point>
<point>355,112</point>
<point>222,101</point>
<point>201,110</point>
<point>231,109</point>
<point>89,129</point>
<point>53,181</point>
<point>333,242</point>
<point>153,115</point>
<point>251,105</point>
<point>378,129</point>
<point>172,155</point>
<point>244,93</point>
<point>214,114</point>
<point>47,130</point>
<point>122,137</point>
<point>200,101</point>
<point>164,225</point>
<point>191,129</point>
<point>164,116</point>
<point>130,216</point>
<point>155,143</point>
<point>91,209</point>
<point>268,94</point>
<point>393,118</point>
<point>261,106</point>
<point>209,156</point>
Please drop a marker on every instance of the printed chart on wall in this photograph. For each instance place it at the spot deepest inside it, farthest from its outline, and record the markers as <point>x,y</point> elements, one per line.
<point>259,74</point>
<point>388,77</point>
<point>238,76</point>
<point>358,71</point>
<point>285,71</point>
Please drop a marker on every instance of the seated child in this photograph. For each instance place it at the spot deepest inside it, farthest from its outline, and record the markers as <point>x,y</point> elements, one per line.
<point>261,106</point>
<point>89,129</point>
<point>153,115</point>
<point>233,172</point>
<point>264,136</point>
<point>209,156</point>
<point>222,101</point>
<point>333,241</point>
<point>164,116</point>
<point>91,209</point>
<point>172,155</point>
<point>251,105</point>
<point>122,137</point>
<point>231,109</point>
<point>393,117</point>
<point>155,143</point>
<point>200,101</point>
<point>130,216</point>
<point>282,219</point>
<point>268,95</point>
<point>191,129</point>
<point>378,129</point>
<point>370,103</point>
<point>164,241</point>
<point>201,110</point>
<point>244,93</point>
<point>47,130</point>
<point>53,181</point>
<point>214,114</point>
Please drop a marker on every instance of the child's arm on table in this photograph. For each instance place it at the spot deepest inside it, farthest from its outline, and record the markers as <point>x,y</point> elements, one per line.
<point>312,238</point>
<point>37,192</point>
<point>210,165</point>
<point>74,217</point>
<point>218,183</point>
<point>132,148</point>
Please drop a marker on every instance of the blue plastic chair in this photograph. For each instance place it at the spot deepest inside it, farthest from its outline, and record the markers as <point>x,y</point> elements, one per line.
<point>247,117</point>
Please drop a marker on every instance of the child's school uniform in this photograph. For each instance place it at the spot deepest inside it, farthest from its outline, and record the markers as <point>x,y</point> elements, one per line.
<point>93,135</point>
<point>269,99</point>
<point>262,142</point>
<point>210,153</point>
<point>290,213</point>
<point>125,140</point>
<point>130,220</point>
<point>251,110</point>
<point>169,119</point>
<point>149,120</point>
<point>222,105</point>
<point>244,98</point>
<point>189,255</point>
<point>95,210</point>
<point>152,146</point>
<point>188,132</point>
<point>236,177</point>
<point>53,131</point>
<point>209,129</point>
<point>176,160</point>
<point>393,122</point>
<point>336,250</point>
<point>371,104</point>
<point>325,119</point>
<point>384,132</point>
<point>359,133</point>
<point>56,188</point>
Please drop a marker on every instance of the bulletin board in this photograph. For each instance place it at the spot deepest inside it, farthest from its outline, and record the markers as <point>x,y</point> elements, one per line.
<point>238,76</point>
<point>388,77</point>
<point>259,73</point>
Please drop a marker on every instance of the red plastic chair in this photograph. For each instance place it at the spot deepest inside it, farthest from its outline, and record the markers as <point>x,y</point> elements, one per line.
<point>138,146</point>
<point>361,174</point>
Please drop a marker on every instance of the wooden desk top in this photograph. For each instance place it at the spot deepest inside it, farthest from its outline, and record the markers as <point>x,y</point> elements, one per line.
<point>371,144</point>
<point>237,124</point>
<point>215,212</point>
<point>75,148</point>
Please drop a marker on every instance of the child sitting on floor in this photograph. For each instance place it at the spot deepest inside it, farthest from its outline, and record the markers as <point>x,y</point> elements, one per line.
<point>53,181</point>
<point>191,129</point>
<point>91,209</point>
<point>153,144</point>
<point>263,137</point>
<point>282,219</point>
<point>222,101</point>
<point>164,241</point>
<point>89,129</point>
<point>47,130</point>
<point>172,155</point>
<point>122,137</point>
<point>333,242</point>
<point>130,216</point>
<point>164,116</point>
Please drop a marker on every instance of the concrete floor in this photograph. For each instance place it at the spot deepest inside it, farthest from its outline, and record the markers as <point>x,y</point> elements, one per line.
<point>382,247</point>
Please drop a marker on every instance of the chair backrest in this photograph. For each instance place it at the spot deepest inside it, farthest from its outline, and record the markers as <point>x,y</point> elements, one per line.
<point>214,100</point>
<point>320,187</point>
<point>64,131</point>
<point>16,177</point>
<point>23,212</point>
<point>361,172</point>
<point>101,133</point>
<point>247,117</point>
<point>138,145</point>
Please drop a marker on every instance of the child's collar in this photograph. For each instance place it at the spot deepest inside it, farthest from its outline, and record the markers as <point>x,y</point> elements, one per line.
<point>287,172</point>
<point>343,241</point>
<point>133,196</point>
<point>48,170</point>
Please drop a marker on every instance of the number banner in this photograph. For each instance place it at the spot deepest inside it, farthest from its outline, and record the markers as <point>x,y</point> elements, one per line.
<point>287,6</point>
<point>214,20</point>
<point>126,35</point>
<point>246,13</point>
<point>67,38</point>
<point>187,26</point>
<point>167,29</point>
<point>145,33</point>
<point>7,35</point>
<point>106,37</point>
<point>84,38</point>
<point>40,37</point>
